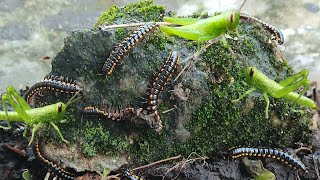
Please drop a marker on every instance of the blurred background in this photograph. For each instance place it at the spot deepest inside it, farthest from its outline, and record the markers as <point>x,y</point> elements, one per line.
<point>32,32</point>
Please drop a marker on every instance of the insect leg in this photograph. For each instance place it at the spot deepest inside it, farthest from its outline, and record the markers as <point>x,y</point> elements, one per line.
<point>25,131</point>
<point>35,128</point>
<point>20,109</point>
<point>293,78</point>
<point>182,32</point>
<point>267,105</point>
<point>244,95</point>
<point>59,132</point>
<point>291,83</point>
<point>4,105</point>
<point>224,41</point>
<point>181,21</point>
<point>23,104</point>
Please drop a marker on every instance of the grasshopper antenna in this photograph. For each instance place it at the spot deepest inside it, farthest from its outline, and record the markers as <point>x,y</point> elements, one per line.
<point>244,2</point>
<point>74,98</point>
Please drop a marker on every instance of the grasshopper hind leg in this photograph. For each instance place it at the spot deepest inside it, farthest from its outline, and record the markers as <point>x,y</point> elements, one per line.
<point>292,83</point>
<point>5,109</point>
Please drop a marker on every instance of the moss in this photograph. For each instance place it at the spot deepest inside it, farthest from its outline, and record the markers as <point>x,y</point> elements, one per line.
<point>146,10</point>
<point>109,16</point>
<point>148,145</point>
<point>97,140</point>
<point>121,33</point>
<point>256,169</point>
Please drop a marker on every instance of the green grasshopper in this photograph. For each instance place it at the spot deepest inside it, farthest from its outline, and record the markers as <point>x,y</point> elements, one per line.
<point>284,89</point>
<point>34,118</point>
<point>201,30</point>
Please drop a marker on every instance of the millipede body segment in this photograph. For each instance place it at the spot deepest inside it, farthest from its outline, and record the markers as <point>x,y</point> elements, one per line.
<point>270,153</point>
<point>117,113</point>
<point>125,46</point>
<point>277,34</point>
<point>51,166</point>
<point>53,83</point>
<point>157,85</point>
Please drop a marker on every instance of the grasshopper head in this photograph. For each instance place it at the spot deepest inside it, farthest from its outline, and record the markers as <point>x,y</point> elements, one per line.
<point>233,19</point>
<point>250,73</point>
<point>60,109</point>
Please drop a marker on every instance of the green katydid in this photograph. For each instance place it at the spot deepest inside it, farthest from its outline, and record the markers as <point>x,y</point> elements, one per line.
<point>284,89</point>
<point>34,118</point>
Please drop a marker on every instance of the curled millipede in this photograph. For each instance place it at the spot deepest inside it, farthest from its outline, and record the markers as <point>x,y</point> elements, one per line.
<point>277,34</point>
<point>124,47</point>
<point>270,153</point>
<point>53,83</point>
<point>117,113</point>
<point>157,84</point>
<point>51,166</point>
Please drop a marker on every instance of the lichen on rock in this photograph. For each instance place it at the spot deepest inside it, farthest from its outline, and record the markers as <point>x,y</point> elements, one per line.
<point>202,118</point>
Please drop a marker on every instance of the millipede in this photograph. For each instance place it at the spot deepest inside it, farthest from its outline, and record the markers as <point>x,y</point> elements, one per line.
<point>114,113</point>
<point>53,83</point>
<point>124,47</point>
<point>270,153</point>
<point>277,34</point>
<point>157,85</point>
<point>51,166</point>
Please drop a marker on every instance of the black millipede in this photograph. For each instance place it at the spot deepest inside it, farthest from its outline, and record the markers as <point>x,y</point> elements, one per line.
<point>54,83</point>
<point>114,113</point>
<point>270,153</point>
<point>51,166</point>
<point>124,47</point>
<point>157,85</point>
<point>278,36</point>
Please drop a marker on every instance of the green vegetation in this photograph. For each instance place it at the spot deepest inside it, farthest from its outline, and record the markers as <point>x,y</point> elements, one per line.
<point>141,11</point>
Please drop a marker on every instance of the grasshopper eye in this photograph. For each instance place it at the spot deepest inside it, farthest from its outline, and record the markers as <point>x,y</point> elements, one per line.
<point>231,18</point>
<point>60,108</point>
<point>251,72</point>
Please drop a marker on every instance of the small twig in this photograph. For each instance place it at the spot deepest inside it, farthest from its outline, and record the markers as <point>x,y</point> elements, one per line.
<point>145,166</point>
<point>302,149</point>
<point>157,162</point>
<point>114,26</point>
<point>113,177</point>
<point>15,150</point>
<point>166,111</point>
<point>193,59</point>
<point>180,165</point>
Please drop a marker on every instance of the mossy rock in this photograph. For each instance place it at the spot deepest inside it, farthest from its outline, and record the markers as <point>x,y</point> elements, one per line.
<point>202,118</point>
